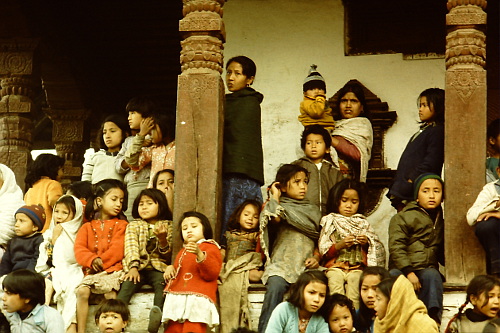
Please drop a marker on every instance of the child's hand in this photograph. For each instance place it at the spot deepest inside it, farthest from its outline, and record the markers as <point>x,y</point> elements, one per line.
<point>169,272</point>
<point>276,191</point>
<point>361,239</point>
<point>347,242</point>
<point>132,275</point>
<point>486,216</point>
<point>169,194</point>
<point>147,124</point>
<point>161,232</point>
<point>414,281</point>
<point>311,263</point>
<point>56,232</point>
<point>192,247</point>
<point>254,275</point>
<point>97,265</point>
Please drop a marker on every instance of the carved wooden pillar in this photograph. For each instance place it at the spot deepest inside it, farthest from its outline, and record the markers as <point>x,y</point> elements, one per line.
<point>465,134</point>
<point>17,89</point>
<point>200,96</point>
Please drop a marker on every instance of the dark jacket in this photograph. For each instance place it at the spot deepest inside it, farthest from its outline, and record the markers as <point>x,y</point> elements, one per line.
<point>415,240</point>
<point>424,154</point>
<point>22,252</point>
<point>242,134</point>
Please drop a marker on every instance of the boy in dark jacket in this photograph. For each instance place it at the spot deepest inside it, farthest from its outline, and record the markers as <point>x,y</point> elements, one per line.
<point>416,237</point>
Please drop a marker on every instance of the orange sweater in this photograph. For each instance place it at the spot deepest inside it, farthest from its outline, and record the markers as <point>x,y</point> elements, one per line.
<point>44,192</point>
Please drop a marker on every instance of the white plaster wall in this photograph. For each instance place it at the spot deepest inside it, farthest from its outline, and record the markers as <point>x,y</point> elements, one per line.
<point>284,37</point>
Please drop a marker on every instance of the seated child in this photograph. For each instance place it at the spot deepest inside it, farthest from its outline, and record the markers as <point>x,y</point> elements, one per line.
<point>314,109</point>
<point>22,250</point>
<point>23,303</point>
<point>416,242</point>
<point>323,175</point>
<point>112,316</point>
<point>340,312</point>
<point>493,135</point>
<point>347,242</point>
<point>483,293</point>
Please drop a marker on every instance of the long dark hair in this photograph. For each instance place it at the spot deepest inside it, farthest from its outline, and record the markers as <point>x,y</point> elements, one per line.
<point>47,165</point>
<point>335,195</point>
<point>99,190</point>
<point>159,198</point>
<point>234,220</point>
<point>205,223</point>
<point>296,293</point>
<point>434,96</point>
<point>365,315</point>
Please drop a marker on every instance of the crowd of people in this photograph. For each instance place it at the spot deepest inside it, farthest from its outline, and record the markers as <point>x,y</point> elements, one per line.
<point>310,243</point>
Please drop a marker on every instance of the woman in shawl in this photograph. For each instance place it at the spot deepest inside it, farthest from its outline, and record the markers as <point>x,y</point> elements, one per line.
<point>11,198</point>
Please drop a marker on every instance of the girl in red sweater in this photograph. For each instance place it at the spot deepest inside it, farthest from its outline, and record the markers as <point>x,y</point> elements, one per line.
<point>192,279</point>
<point>99,245</point>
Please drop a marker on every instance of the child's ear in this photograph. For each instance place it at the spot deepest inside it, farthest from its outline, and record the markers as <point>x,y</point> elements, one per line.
<point>250,80</point>
<point>473,300</point>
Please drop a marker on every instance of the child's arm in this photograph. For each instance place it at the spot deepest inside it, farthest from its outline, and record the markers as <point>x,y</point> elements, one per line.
<point>34,258</point>
<point>54,192</point>
<point>486,199</point>
<point>84,256</point>
<point>163,233</point>
<point>121,166</point>
<point>88,168</point>
<point>114,253</point>
<point>276,195</point>
<point>134,155</point>
<point>131,260</point>
<point>434,154</point>
<point>208,258</point>
<point>6,264</point>
<point>314,107</point>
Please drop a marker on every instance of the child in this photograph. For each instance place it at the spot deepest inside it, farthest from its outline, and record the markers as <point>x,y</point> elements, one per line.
<point>11,199</point>
<point>100,165</point>
<point>323,175</point>
<point>43,184</point>
<point>353,134</point>
<point>148,248</point>
<point>370,278</point>
<point>242,263</point>
<point>416,236</point>
<point>23,304</point>
<point>192,279</point>
<point>399,310</point>
<point>347,242</point>
<point>22,250</point>
<point>493,135</point>
<point>484,215</point>
<point>81,190</point>
<point>99,245</point>
<point>112,316</point>
<point>341,314</point>
<point>303,310</point>
<point>138,108</point>
<point>483,293</point>
<point>425,150</point>
<point>242,162</point>
<point>314,109</point>
<point>57,260</point>
<point>164,181</point>
<point>289,226</point>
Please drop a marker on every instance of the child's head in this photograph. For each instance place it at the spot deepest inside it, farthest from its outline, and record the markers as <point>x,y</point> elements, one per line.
<point>113,131</point>
<point>164,129</point>
<point>109,197</point>
<point>245,217</point>
<point>151,205</point>
<point>314,84</point>
<point>23,290</point>
<point>64,209</point>
<point>493,135</point>
<point>163,179</point>
<point>483,292</point>
<point>341,314</point>
<point>428,190</point>
<point>139,108</point>
<point>240,73</point>
<point>80,189</point>
<point>351,102</point>
<point>315,142</point>
<point>347,198</point>
<point>292,180</point>
<point>29,219</point>
<point>368,282</point>
<point>310,291</point>
<point>383,296</point>
<point>45,165</point>
<point>431,106</point>
<point>112,316</point>
<point>195,226</point>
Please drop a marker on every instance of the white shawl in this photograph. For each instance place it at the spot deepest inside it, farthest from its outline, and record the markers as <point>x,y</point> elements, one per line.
<point>11,199</point>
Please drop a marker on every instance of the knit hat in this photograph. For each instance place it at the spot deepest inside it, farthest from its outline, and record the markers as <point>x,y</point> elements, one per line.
<point>314,80</point>
<point>420,179</point>
<point>36,213</point>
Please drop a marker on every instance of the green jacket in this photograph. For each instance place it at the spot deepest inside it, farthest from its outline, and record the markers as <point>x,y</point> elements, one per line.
<point>415,240</point>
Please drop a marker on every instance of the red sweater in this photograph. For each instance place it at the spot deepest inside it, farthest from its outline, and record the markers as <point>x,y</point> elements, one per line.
<point>108,244</point>
<point>197,278</point>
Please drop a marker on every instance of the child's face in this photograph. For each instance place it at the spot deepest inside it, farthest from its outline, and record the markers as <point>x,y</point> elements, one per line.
<point>381,302</point>
<point>340,320</point>
<point>315,148</point>
<point>350,106</point>
<point>165,179</point>
<point>426,110</point>
<point>314,296</point>
<point>134,120</point>
<point>112,136</point>
<point>13,302</point>
<point>148,209</point>
<point>192,229</point>
<point>235,79</point>
<point>24,225</point>
<point>368,290</point>
<point>156,135</point>
<point>62,213</point>
<point>249,218</point>
<point>111,322</point>
<point>296,187</point>
<point>111,203</point>
<point>349,203</point>
<point>314,92</point>
<point>490,309</point>
<point>430,194</point>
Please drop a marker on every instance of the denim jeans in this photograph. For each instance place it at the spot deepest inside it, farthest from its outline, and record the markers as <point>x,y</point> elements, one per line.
<point>276,288</point>
<point>488,233</point>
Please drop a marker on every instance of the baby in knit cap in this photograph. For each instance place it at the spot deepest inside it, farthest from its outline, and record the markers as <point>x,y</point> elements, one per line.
<point>22,250</point>
<point>314,109</point>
